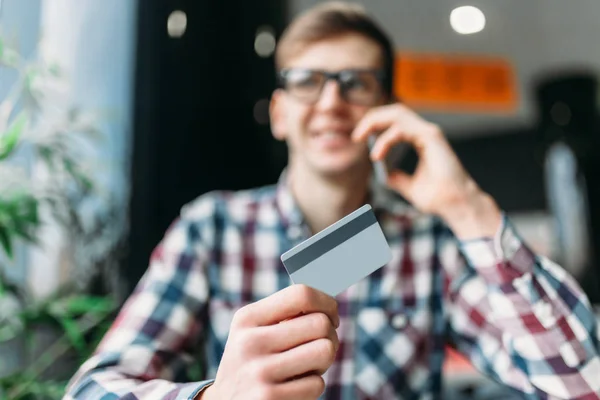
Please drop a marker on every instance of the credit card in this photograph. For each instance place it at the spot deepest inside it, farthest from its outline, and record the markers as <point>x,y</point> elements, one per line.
<point>340,255</point>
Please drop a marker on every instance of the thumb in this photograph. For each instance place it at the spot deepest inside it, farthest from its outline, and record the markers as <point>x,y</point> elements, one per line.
<point>402,182</point>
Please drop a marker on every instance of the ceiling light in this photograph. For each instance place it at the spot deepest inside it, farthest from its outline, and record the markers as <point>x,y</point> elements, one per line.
<point>177,24</point>
<point>264,42</point>
<point>467,20</point>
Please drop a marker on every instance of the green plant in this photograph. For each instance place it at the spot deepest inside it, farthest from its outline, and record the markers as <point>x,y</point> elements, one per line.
<point>41,131</point>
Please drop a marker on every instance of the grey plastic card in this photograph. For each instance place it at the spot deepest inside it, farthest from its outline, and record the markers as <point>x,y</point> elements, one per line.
<point>340,255</point>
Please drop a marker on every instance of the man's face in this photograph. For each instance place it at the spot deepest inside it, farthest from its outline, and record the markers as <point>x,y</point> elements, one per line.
<point>318,130</point>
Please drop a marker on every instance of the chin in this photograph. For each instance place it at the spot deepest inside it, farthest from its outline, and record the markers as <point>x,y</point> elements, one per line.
<point>339,167</point>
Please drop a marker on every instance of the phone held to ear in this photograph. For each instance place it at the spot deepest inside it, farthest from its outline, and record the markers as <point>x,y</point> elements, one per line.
<point>379,167</point>
<point>391,160</point>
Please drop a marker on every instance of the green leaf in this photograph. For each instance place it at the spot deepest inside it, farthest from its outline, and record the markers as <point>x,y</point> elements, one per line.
<point>18,219</point>
<point>23,386</point>
<point>27,236</point>
<point>73,333</point>
<point>5,216</point>
<point>51,390</point>
<point>70,166</point>
<point>85,304</point>
<point>8,332</point>
<point>74,170</point>
<point>30,79</point>
<point>28,209</point>
<point>11,322</point>
<point>54,70</point>
<point>10,57</point>
<point>6,242</point>
<point>10,138</point>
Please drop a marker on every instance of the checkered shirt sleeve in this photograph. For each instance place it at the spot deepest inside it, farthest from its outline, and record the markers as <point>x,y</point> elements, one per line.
<point>524,321</point>
<point>148,347</point>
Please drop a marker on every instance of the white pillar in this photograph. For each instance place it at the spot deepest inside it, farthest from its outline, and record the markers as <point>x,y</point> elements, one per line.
<point>94,43</point>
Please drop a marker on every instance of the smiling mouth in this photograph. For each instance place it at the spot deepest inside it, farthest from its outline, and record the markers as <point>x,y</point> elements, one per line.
<point>331,139</point>
<point>331,135</point>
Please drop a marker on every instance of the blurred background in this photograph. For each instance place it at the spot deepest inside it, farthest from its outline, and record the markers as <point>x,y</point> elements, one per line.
<point>115,113</point>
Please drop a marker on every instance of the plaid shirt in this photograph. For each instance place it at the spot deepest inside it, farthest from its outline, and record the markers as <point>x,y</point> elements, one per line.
<point>518,317</point>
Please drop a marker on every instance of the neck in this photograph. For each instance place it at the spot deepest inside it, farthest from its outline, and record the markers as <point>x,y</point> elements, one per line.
<point>324,200</point>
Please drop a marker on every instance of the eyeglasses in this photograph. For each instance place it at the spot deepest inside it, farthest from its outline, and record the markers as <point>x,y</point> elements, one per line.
<point>357,86</point>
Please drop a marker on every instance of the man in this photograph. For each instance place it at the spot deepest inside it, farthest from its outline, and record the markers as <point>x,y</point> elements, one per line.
<point>216,289</point>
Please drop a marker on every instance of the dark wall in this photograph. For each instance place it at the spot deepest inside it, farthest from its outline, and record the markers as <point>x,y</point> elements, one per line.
<point>194,128</point>
<point>508,165</point>
<point>568,108</point>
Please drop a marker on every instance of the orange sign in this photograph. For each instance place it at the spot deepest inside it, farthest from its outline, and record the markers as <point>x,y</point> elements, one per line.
<point>459,83</point>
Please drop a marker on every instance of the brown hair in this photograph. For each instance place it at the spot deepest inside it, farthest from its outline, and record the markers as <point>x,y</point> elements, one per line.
<point>332,19</point>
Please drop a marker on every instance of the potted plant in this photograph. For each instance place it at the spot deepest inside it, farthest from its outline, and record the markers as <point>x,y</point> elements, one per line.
<point>44,181</point>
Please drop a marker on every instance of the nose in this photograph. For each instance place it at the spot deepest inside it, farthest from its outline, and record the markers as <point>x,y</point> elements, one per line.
<point>331,96</point>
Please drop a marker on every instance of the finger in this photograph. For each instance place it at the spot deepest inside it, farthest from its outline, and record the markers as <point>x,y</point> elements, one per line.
<point>378,119</point>
<point>288,303</point>
<point>391,137</point>
<point>298,331</point>
<point>316,356</point>
<point>307,387</point>
<point>401,181</point>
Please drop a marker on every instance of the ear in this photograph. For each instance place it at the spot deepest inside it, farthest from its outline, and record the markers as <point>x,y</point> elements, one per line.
<point>277,115</point>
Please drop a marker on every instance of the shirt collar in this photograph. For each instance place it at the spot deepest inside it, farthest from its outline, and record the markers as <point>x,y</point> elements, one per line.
<point>381,199</point>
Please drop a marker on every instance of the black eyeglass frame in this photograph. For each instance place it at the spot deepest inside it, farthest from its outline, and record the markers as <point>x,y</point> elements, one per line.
<point>378,73</point>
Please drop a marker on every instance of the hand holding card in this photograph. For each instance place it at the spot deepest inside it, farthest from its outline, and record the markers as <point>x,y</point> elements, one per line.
<point>341,254</point>
<point>271,352</point>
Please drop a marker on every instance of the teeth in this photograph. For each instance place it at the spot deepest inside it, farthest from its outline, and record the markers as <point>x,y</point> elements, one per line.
<point>331,134</point>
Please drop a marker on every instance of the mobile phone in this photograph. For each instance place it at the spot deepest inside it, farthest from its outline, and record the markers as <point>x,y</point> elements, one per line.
<point>391,160</point>
<point>379,167</point>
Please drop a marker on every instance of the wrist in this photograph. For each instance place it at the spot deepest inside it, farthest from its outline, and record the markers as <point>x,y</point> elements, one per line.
<point>474,216</point>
